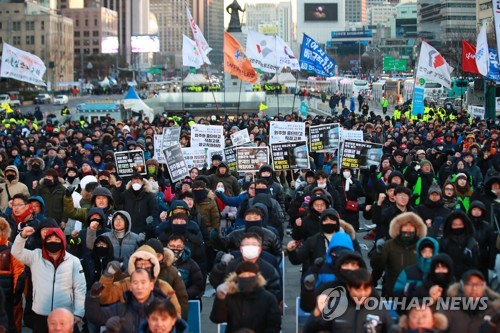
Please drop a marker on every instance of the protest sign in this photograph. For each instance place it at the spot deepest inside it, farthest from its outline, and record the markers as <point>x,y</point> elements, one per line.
<point>361,155</point>
<point>195,157</point>
<point>324,137</point>
<point>476,112</point>
<point>250,159</point>
<point>207,136</point>
<point>129,162</point>
<point>175,163</point>
<point>158,154</point>
<point>230,154</point>
<point>284,131</point>
<point>240,137</point>
<point>290,155</point>
<point>170,137</point>
<point>351,135</point>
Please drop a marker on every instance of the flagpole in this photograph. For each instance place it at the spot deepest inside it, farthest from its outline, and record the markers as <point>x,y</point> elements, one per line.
<point>239,96</point>
<point>209,88</point>
<point>182,88</point>
<point>296,91</point>
<point>277,81</point>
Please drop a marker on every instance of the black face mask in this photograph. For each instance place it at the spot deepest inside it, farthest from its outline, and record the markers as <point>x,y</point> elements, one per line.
<point>179,229</point>
<point>177,254</point>
<point>104,182</point>
<point>53,247</point>
<point>266,178</point>
<point>101,252</point>
<point>11,178</point>
<point>262,191</point>
<point>408,237</point>
<point>199,195</point>
<point>441,278</point>
<point>70,179</point>
<point>252,224</point>
<point>49,182</point>
<point>330,228</point>
<point>457,231</point>
<point>247,285</point>
<point>35,167</point>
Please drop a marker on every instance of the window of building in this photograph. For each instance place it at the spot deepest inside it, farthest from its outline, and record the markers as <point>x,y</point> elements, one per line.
<point>77,34</point>
<point>77,43</point>
<point>16,26</point>
<point>95,41</point>
<point>95,33</point>
<point>77,51</point>
<point>95,22</point>
<point>43,25</point>
<point>30,40</point>
<point>0,23</point>
<point>86,22</point>
<point>16,40</point>
<point>95,51</point>
<point>77,23</point>
<point>86,42</point>
<point>43,39</point>
<point>86,34</point>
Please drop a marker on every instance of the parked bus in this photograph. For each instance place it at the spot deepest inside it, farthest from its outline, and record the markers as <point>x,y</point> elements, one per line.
<point>353,86</point>
<point>458,87</point>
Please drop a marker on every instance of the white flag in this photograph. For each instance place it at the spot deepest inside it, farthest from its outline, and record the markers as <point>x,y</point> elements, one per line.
<point>482,52</point>
<point>200,40</point>
<point>496,15</point>
<point>285,55</point>
<point>22,65</point>
<point>261,50</point>
<point>191,55</point>
<point>433,67</point>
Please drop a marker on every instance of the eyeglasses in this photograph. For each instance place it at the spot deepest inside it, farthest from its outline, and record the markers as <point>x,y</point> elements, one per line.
<point>19,205</point>
<point>474,285</point>
<point>448,188</point>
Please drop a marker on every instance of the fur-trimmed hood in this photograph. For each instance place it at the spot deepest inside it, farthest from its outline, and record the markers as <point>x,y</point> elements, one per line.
<point>4,229</point>
<point>32,160</point>
<point>455,290</point>
<point>457,214</point>
<point>168,257</point>
<point>348,229</point>
<point>440,321</point>
<point>12,168</point>
<point>402,219</point>
<point>145,252</point>
<point>153,162</point>
<point>59,179</point>
<point>232,282</point>
<point>145,185</point>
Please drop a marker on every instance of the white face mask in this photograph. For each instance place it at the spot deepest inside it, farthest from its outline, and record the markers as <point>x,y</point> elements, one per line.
<point>136,186</point>
<point>346,174</point>
<point>322,185</point>
<point>250,251</point>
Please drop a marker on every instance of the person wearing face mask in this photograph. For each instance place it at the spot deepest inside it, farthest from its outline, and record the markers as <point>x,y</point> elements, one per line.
<point>322,182</point>
<point>274,218</point>
<point>250,250</point>
<point>138,200</point>
<point>242,302</point>
<point>438,280</point>
<point>58,278</point>
<point>71,177</point>
<point>433,210</point>
<point>399,252</point>
<point>106,179</point>
<point>458,242</point>
<point>472,169</point>
<point>206,207</point>
<point>489,194</point>
<point>349,191</point>
<point>310,224</point>
<point>11,187</point>
<point>420,176</point>
<point>414,275</point>
<point>153,169</point>
<point>52,161</point>
<point>223,174</point>
<point>51,189</point>
<point>101,255</point>
<point>266,172</point>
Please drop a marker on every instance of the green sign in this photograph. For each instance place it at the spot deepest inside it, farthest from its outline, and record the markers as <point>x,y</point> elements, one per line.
<point>391,64</point>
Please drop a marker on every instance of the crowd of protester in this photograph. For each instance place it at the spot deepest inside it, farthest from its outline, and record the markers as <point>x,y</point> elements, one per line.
<point>84,249</point>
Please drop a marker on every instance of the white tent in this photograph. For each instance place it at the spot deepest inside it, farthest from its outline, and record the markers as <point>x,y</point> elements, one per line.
<point>194,80</point>
<point>133,102</point>
<point>283,78</point>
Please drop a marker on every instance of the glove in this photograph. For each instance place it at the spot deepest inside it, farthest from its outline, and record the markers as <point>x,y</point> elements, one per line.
<point>168,183</point>
<point>226,258</point>
<point>213,234</point>
<point>75,241</point>
<point>309,281</point>
<point>69,191</point>
<point>142,237</point>
<point>417,167</point>
<point>96,289</point>
<point>373,169</point>
<point>149,220</point>
<point>114,324</point>
<point>111,269</point>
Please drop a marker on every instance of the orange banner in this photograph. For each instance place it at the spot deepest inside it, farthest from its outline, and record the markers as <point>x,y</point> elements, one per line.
<point>236,61</point>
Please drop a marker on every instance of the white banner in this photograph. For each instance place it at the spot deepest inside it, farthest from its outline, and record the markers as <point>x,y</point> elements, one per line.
<point>432,66</point>
<point>196,157</point>
<point>240,137</point>
<point>198,37</point>
<point>261,50</point>
<point>476,111</point>
<point>207,136</point>
<point>351,135</point>
<point>497,108</point>
<point>496,16</point>
<point>286,58</point>
<point>191,55</point>
<point>170,137</point>
<point>21,65</point>
<point>158,153</point>
<point>482,52</point>
<point>285,131</point>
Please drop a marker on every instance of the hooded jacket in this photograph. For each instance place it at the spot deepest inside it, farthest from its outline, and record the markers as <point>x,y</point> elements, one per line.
<point>275,217</point>
<point>229,181</point>
<point>53,198</point>
<point>31,175</point>
<point>80,214</point>
<point>397,255</point>
<point>94,265</point>
<point>114,291</point>
<point>462,246</point>
<point>487,197</point>
<point>55,285</point>
<point>11,188</point>
<point>341,242</point>
<point>123,248</point>
<point>440,325</point>
<point>432,279</point>
<point>485,237</point>
<point>188,272</point>
<point>311,222</point>
<point>40,200</point>
<point>413,276</point>
<point>257,310</point>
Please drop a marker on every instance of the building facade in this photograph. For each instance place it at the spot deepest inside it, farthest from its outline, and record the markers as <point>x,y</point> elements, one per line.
<point>271,19</point>
<point>355,10</point>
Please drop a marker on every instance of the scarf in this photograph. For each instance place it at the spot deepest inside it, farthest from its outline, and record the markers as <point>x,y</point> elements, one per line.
<point>348,181</point>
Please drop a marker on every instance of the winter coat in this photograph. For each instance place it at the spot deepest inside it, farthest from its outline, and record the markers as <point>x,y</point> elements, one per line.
<point>326,271</point>
<point>229,181</point>
<point>383,215</point>
<point>310,223</point>
<point>463,249</point>
<point>209,212</point>
<point>53,198</point>
<point>270,241</point>
<point>487,197</point>
<point>93,265</point>
<point>395,254</point>
<point>431,279</point>
<point>11,188</point>
<point>355,192</point>
<point>53,287</point>
<point>275,217</point>
<point>80,214</point>
<point>436,212</point>
<point>413,276</point>
<point>122,248</point>
<point>258,310</point>
<point>440,325</point>
<point>131,312</point>
<point>189,272</point>
<point>32,175</point>
<point>140,205</point>
<point>475,173</point>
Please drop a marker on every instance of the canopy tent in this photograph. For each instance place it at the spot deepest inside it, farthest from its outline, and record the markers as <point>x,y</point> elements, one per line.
<point>133,102</point>
<point>282,78</point>
<point>194,80</point>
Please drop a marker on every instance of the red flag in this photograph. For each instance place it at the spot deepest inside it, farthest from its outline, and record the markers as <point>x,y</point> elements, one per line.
<point>469,58</point>
<point>236,61</point>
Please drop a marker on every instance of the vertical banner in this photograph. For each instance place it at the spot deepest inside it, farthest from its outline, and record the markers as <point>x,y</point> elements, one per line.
<point>496,16</point>
<point>324,137</point>
<point>418,101</point>
<point>290,155</point>
<point>129,162</point>
<point>230,154</point>
<point>240,137</point>
<point>361,155</point>
<point>175,163</point>
<point>284,131</point>
<point>170,136</point>
<point>207,136</point>
<point>158,153</point>
<point>250,159</point>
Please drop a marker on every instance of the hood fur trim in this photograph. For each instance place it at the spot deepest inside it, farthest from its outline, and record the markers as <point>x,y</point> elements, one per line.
<point>405,218</point>
<point>348,229</point>
<point>145,185</point>
<point>145,252</point>
<point>168,257</point>
<point>440,321</point>
<point>232,282</point>
<point>455,290</point>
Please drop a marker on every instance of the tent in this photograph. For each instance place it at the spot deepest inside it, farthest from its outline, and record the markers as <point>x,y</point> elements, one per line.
<point>133,102</point>
<point>283,78</point>
<point>194,80</point>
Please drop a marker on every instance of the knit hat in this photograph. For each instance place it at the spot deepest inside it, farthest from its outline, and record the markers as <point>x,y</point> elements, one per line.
<point>461,175</point>
<point>247,266</point>
<point>424,162</point>
<point>420,151</point>
<point>155,244</point>
<point>434,188</point>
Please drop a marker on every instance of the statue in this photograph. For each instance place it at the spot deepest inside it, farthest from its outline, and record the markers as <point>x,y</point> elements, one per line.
<point>234,23</point>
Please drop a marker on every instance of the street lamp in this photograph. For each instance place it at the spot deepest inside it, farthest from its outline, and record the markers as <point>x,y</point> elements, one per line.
<point>373,50</point>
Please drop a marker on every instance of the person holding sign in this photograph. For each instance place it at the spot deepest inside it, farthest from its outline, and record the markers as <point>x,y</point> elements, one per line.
<point>223,175</point>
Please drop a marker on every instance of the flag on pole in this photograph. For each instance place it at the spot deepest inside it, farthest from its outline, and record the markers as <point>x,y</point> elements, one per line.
<point>21,65</point>
<point>263,107</point>
<point>261,50</point>
<point>191,55</point>
<point>285,55</point>
<point>469,58</point>
<point>314,59</point>
<point>200,40</point>
<point>235,60</point>
<point>496,16</point>
<point>432,66</point>
<point>482,52</point>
